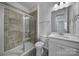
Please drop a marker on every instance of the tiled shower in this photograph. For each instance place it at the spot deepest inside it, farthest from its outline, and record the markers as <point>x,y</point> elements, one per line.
<point>12,29</point>
<point>17,35</point>
<point>20,29</point>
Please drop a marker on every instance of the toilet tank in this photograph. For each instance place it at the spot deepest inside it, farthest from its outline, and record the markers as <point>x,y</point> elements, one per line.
<point>45,40</point>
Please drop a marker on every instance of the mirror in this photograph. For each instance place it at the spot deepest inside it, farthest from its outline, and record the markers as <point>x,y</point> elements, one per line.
<point>61,24</point>
<point>60,21</point>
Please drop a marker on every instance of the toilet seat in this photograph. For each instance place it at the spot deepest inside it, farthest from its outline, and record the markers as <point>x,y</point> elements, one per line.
<point>39,44</point>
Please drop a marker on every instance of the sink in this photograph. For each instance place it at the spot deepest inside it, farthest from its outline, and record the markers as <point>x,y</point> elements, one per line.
<point>65,36</point>
<point>62,35</point>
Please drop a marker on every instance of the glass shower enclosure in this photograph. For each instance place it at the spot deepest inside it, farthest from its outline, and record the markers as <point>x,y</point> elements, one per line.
<point>16,33</point>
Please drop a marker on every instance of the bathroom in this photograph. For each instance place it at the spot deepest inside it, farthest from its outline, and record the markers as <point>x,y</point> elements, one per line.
<point>39,28</point>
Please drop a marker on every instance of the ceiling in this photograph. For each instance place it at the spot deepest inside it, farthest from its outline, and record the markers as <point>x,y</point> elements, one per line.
<point>29,6</point>
<point>32,6</point>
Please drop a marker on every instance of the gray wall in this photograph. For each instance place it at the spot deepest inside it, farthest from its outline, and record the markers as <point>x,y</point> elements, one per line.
<point>44,18</point>
<point>73,11</point>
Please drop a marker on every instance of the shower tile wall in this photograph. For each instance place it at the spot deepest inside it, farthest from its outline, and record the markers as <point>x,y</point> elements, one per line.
<point>33,27</point>
<point>12,29</point>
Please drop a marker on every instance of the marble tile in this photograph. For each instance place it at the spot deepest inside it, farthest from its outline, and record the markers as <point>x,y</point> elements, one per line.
<point>12,29</point>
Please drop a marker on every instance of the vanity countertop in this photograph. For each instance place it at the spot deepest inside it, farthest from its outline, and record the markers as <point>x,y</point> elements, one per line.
<point>65,36</point>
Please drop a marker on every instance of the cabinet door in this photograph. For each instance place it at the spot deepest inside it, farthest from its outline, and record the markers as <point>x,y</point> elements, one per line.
<point>55,49</point>
<point>58,49</point>
<point>52,48</point>
<point>62,50</point>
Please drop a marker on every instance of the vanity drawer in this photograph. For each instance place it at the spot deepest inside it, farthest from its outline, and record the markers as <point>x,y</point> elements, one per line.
<point>66,43</point>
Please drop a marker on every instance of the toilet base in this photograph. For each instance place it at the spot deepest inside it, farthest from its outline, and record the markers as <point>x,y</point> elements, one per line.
<point>39,52</point>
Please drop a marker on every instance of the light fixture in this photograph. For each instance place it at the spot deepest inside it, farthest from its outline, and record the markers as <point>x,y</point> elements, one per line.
<point>27,17</point>
<point>67,2</point>
<point>61,3</point>
<point>55,5</point>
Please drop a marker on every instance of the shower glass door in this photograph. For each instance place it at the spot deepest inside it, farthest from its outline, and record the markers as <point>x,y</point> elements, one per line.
<point>16,33</point>
<point>12,29</point>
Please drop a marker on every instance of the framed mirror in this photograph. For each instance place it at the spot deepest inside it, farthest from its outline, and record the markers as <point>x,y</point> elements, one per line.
<point>60,21</point>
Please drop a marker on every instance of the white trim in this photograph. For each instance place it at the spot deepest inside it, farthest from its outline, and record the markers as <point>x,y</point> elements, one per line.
<point>38,22</point>
<point>23,33</point>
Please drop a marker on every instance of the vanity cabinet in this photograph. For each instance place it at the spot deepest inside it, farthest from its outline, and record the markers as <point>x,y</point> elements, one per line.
<point>60,47</point>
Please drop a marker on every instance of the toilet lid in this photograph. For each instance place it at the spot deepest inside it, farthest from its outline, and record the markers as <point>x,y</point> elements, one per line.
<point>39,44</point>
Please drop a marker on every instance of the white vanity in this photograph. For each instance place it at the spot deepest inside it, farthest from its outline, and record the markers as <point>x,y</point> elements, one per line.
<point>64,20</point>
<point>63,45</point>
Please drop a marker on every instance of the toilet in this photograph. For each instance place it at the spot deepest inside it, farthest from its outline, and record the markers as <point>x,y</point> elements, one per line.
<point>39,48</point>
